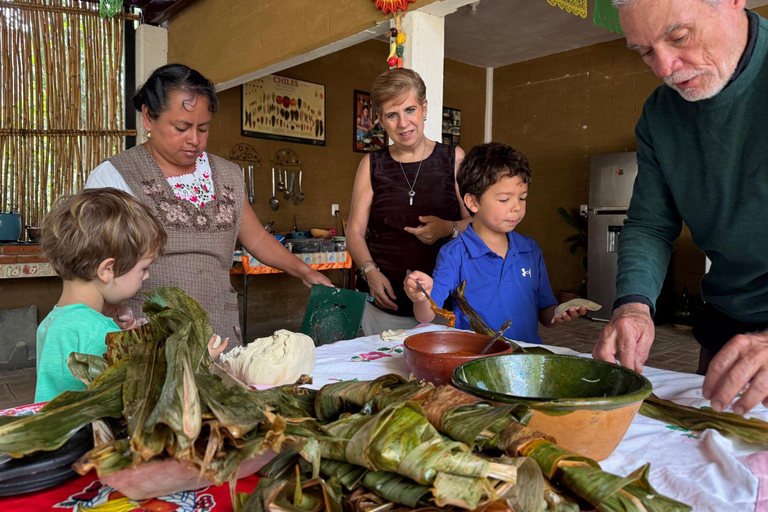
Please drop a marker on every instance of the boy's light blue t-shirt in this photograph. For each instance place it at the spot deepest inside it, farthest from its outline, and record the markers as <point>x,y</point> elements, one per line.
<point>67,329</point>
<point>498,289</point>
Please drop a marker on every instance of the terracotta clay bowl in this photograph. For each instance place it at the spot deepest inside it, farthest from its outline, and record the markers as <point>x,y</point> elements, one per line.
<point>432,356</point>
<point>585,404</point>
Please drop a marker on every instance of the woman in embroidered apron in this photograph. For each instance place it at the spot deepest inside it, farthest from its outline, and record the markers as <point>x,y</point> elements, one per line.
<point>199,198</point>
<point>406,197</point>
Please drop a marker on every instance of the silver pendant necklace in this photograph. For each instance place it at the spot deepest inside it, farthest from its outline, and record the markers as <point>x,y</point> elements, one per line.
<point>411,192</point>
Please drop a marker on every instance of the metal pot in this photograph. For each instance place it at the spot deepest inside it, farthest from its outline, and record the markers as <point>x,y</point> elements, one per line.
<point>10,227</point>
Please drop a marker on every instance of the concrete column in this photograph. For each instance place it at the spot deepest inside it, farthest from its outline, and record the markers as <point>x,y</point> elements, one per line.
<point>424,51</point>
<point>151,53</point>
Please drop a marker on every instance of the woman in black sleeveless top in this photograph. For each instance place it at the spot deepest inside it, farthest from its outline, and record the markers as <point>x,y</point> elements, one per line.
<point>406,197</point>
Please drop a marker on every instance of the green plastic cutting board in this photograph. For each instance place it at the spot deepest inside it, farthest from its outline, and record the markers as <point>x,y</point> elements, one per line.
<point>333,314</point>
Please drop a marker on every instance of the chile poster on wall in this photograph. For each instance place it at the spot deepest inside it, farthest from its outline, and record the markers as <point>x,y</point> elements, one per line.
<point>281,108</point>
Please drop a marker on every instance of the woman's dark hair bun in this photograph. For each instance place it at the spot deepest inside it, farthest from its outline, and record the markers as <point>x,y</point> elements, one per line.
<point>156,91</point>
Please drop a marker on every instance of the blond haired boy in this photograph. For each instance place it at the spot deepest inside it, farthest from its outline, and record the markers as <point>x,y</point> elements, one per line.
<point>101,243</point>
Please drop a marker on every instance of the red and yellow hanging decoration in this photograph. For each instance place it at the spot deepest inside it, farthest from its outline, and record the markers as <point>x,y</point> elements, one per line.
<point>396,42</point>
<point>387,6</point>
<point>396,36</point>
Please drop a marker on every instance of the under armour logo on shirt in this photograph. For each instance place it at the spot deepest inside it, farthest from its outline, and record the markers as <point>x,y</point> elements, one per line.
<point>526,273</point>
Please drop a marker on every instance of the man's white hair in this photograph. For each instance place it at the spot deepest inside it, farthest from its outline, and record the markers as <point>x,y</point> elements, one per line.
<point>619,3</point>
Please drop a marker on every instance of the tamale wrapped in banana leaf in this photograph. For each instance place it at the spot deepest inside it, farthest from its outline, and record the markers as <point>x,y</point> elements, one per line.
<point>333,399</point>
<point>399,439</point>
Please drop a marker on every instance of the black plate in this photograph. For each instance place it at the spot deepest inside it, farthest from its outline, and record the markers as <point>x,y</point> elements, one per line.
<point>44,469</point>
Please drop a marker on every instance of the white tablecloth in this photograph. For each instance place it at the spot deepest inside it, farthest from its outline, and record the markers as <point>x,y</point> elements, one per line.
<point>706,470</point>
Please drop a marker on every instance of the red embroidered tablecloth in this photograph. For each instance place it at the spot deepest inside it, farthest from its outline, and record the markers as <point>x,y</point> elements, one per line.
<point>88,493</point>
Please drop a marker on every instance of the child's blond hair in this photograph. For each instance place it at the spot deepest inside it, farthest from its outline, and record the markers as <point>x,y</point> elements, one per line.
<point>95,224</point>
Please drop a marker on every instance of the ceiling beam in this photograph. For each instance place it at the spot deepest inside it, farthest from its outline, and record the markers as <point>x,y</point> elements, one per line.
<point>156,12</point>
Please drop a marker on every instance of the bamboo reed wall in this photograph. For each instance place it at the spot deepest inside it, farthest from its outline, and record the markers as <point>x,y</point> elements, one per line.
<point>61,99</point>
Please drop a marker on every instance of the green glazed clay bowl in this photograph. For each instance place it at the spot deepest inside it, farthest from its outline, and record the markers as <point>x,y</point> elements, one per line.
<point>585,404</point>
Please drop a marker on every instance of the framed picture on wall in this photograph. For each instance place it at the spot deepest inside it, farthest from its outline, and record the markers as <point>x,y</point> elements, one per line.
<point>451,126</point>
<point>368,133</point>
<point>281,108</point>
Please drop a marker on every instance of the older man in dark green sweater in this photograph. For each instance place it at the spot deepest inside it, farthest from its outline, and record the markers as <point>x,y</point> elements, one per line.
<point>702,159</point>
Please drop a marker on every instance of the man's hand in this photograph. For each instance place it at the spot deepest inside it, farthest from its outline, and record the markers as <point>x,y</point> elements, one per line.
<point>312,276</point>
<point>412,290</point>
<point>629,335</point>
<point>381,290</point>
<point>742,361</point>
<point>431,230</point>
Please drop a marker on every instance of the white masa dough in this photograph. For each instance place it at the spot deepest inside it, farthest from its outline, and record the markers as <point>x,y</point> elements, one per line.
<point>278,359</point>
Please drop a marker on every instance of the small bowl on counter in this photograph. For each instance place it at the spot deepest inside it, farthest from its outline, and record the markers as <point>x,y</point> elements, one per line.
<point>432,356</point>
<point>585,404</point>
<point>33,234</point>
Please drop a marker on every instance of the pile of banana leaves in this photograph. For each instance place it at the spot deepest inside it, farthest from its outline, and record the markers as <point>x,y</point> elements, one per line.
<point>382,444</point>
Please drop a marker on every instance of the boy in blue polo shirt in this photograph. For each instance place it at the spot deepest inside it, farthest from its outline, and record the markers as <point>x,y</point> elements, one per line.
<point>505,272</point>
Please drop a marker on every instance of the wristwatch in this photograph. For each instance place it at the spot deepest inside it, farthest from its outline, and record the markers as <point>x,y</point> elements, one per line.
<point>454,231</point>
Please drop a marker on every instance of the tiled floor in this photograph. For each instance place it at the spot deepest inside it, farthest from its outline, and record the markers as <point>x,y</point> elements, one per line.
<point>673,350</point>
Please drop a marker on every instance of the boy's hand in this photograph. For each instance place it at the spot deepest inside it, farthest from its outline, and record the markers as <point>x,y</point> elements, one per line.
<point>123,316</point>
<point>569,314</point>
<point>412,291</point>
<point>216,346</point>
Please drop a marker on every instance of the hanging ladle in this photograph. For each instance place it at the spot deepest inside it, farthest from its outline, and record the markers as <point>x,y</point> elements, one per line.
<point>300,196</point>
<point>286,192</point>
<point>273,203</point>
<point>280,186</point>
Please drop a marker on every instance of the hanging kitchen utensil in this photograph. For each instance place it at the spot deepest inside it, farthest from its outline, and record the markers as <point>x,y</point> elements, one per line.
<point>246,157</point>
<point>273,202</point>
<point>293,196</point>
<point>286,192</point>
<point>286,160</point>
<point>300,196</point>
<point>280,186</point>
<point>251,191</point>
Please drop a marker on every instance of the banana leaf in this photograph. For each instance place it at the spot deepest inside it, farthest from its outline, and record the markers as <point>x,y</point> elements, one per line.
<point>333,399</point>
<point>106,458</point>
<point>412,390</point>
<point>396,488</point>
<point>49,430</point>
<point>311,496</point>
<point>752,430</point>
<point>86,367</point>
<point>122,344</point>
<point>290,400</point>
<point>558,500</point>
<point>178,405</point>
<point>609,493</point>
<point>349,475</point>
<point>469,419</point>
<point>458,491</point>
<point>65,414</point>
<point>237,409</point>
<point>479,326</point>
<point>551,458</point>
<point>174,299</point>
<point>255,503</point>
<point>400,439</point>
<point>143,386</point>
<point>525,494</point>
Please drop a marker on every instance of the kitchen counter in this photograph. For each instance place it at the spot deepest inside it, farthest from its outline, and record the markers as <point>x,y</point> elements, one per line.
<point>18,260</point>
